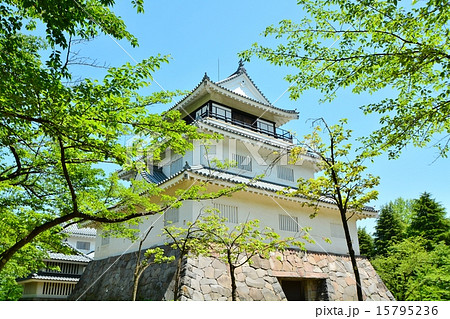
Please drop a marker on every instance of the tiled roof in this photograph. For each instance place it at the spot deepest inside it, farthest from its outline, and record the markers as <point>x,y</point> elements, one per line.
<point>82,232</point>
<point>260,184</point>
<point>55,277</point>
<point>206,79</point>
<point>76,258</point>
<point>156,175</point>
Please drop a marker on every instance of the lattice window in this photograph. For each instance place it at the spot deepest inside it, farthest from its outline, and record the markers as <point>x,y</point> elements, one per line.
<point>243,162</point>
<point>171,216</point>
<point>58,288</point>
<point>285,173</point>
<point>64,268</point>
<point>288,223</point>
<point>228,211</point>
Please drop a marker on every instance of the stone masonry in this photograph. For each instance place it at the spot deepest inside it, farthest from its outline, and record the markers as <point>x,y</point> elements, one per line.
<point>207,278</point>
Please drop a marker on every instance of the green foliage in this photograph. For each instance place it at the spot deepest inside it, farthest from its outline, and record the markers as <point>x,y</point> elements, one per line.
<point>366,245</point>
<point>369,46</point>
<point>413,273</point>
<point>341,179</point>
<point>209,235</point>
<point>388,230</point>
<point>429,221</point>
<point>236,246</point>
<point>55,134</point>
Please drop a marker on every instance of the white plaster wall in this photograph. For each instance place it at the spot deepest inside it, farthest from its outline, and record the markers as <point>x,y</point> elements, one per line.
<point>250,206</point>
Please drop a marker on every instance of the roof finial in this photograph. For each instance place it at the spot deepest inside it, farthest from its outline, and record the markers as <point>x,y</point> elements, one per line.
<point>205,77</point>
<point>241,68</point>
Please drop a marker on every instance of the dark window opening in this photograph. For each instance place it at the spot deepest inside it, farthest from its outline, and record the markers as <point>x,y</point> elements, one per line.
<point>303,289</point>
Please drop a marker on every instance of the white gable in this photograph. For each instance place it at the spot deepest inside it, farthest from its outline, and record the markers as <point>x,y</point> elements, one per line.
<point>241,84</point>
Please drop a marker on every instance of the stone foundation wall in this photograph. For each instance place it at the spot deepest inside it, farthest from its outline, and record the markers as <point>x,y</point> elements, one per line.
<point>207,278</point>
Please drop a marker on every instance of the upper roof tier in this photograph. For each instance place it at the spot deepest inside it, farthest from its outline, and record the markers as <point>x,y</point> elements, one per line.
<point>237,91</point>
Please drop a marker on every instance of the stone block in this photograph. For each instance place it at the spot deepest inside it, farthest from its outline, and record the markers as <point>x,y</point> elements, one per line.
<point>209,272</point>
<point>242,291</point>
<point>250,272</point>
<point>225,292</point>
<point>220,265</point>
<point>206,281</point>
<point>240,277</point>
<point>287,266</point>
<point>269,295</point>
<point>372,288</point>
<point>317,269</point>
<point>275,264</point>
<point>197,296</point>
<point>199,272</point>
<point>207,297</point>
<point>350,280</point>
<point>204,262</point>
<point>256,294</point>
<point>256,283</point>
<point>224,281</point>
<point>205,289</point>
<point>219,272</point>
<point>195,285</point>
<point>350,293</point>
<point>261,272</point>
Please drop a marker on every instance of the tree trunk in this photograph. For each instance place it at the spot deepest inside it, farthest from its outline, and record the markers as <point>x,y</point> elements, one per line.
<point>135,285</point>
<point>233,283</point>
<point>177,277</point>
<point>352,256</point>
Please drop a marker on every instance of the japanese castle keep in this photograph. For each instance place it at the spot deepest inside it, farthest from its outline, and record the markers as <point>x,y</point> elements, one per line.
<point>251,130</point>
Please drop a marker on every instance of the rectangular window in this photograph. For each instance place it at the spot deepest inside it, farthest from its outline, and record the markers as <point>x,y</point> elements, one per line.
<point>288,223</point>
<point>227,211</point>
<point>221,112</point>
<point>201,112</point>
<point>243,162</point>
<point>83,245</point>
<point>285,173</point>
<point>265,126</point>
<point>171,216</point>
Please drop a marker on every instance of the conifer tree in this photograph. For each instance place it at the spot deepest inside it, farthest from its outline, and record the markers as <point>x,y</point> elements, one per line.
<point>388,230</point>
<point>366,245</point>
<point>429,221</point>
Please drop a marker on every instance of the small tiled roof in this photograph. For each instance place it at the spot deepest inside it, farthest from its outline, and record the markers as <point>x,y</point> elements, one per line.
<point>63,257</point>
<point>82,232</point>
<point>55,277</point>
<point>156,175</point>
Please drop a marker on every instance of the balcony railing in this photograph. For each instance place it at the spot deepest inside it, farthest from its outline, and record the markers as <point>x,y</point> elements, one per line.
<point>277,132</point>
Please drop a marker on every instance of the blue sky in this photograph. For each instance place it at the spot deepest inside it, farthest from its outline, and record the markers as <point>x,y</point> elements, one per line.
<point>205,36</point>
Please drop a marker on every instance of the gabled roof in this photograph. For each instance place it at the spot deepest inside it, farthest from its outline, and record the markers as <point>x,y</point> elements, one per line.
<point>239,81</point>
<point>231,89</point>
